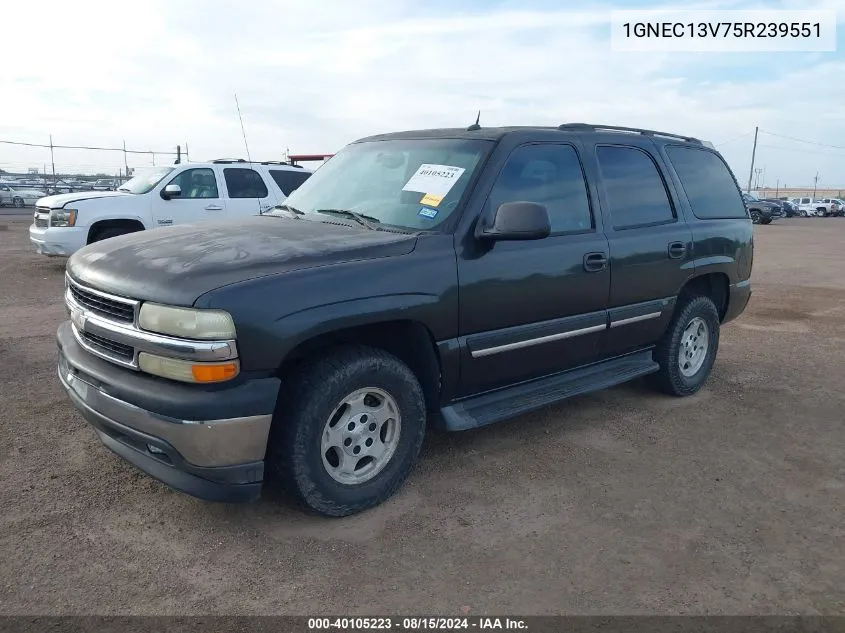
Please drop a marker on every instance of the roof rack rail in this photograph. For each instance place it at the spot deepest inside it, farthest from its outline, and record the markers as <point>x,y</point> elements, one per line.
<point>589,127</point>
<point>225,161</point>
<point>275,162</point>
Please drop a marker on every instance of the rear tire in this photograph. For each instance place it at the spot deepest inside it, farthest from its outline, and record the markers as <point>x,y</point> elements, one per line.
<point>325,430</point>
<point>687,351</point>
<point>106,233</point>
<point>18,203</point>
<point>766,221</point>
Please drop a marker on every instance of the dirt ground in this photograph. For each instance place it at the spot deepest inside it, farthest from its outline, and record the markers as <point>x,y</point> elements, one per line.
<point>624,501</point>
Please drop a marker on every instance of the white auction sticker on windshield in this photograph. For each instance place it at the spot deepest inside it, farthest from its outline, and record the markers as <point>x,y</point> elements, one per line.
<point>436,180</point>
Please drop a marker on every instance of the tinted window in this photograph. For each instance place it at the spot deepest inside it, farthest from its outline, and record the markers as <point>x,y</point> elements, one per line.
<point>708,183</point>
<point>244,183</point>
<point>550,175</point>
<point>288,179</point>
<point>196,183</point>
<point>635,191</point>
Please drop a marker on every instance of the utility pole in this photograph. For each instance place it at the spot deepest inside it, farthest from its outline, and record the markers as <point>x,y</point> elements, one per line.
<point>125,163</point>
<point>753,156</point>
<point>187,155</point>
<point>52,160</point>
<point>777,188</point>
<point>815,185</point>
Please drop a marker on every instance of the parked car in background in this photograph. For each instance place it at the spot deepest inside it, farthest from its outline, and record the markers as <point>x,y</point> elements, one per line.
<point>788,210</point>
<point>833,207</point>
<point>19,196</point>
<point>448,278</point>
<point>104,185</point>
<point>806,208</point>
<point>163,196</point>
<point>761,211</point>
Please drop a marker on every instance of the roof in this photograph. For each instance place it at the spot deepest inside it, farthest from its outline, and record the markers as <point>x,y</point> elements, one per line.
<point>497,133</point>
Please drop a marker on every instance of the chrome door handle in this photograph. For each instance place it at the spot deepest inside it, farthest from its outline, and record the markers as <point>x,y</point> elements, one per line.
<point>213,207</point>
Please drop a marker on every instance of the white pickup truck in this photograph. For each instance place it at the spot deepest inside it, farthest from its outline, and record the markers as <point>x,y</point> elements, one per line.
<point>815,207</point>
<point>163,196</point>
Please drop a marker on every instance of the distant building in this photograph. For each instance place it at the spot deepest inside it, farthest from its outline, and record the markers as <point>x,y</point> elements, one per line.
<point>799,192</point>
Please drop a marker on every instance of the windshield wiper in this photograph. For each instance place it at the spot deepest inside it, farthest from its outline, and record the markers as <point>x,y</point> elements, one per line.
<point>124,189</point>
<point>362,219</point>
<point>287,207</point>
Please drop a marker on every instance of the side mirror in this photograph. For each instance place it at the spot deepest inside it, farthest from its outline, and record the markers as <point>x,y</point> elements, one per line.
<point>519,221</point>
<point>171,191</point>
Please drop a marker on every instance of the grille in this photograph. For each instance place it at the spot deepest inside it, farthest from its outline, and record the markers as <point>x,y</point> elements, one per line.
<point>111,308</point>
<point>118,350</point>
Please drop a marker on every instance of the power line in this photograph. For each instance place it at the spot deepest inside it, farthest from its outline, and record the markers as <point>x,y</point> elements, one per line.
<point>100,149</point>
<point>800,140</point>
<point>735,138</point>
<point>803,151</point>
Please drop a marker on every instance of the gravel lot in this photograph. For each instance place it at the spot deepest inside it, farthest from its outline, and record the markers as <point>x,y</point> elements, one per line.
<point>619,502</point>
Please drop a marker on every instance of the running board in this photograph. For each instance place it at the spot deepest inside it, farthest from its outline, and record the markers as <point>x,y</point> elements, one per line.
<point>495,406</point>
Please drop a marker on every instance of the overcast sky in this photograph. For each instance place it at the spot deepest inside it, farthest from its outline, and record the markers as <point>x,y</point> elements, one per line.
<point>312,75</point>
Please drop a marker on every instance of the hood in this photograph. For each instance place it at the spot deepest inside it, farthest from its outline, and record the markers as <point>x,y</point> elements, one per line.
<point>57,202</point>
<point>26,191</point>
<point>176,265</point>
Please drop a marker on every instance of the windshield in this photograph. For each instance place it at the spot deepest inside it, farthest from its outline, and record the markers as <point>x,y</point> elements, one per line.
<point>144,182</point>
<point>410,183</point>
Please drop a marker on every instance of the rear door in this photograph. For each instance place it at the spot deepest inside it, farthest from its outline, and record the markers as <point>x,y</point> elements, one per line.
<point>246,192</point>
<point>651,246</point>
<point>201,198</point>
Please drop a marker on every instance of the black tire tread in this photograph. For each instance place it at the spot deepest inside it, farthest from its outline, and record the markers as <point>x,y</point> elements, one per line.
<point>669,379</point>
<point>301,396</point>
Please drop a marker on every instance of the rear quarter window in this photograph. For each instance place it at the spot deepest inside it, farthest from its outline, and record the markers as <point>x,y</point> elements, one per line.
<point>288,179</point>
<point>708,183</point>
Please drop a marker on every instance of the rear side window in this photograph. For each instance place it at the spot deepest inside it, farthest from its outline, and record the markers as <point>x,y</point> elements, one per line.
<point>708,183</point>
<point>244,183</point>
<point>288,179</point>
<point>636,193</point>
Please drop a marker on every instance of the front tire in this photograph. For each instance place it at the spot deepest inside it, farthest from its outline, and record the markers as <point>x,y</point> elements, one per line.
<point>18,203</point>
<point>348,428</point>
<point>687,351</point>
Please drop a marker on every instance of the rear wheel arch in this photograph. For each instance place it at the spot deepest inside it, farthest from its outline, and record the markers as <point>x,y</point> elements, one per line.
<point>715,286</point>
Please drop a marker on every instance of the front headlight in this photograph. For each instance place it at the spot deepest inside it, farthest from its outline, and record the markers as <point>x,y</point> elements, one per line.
<point>63,217</point>
<point>186,322</point>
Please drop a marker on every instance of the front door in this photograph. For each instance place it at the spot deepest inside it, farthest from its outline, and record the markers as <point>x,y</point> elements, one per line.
<point>246,192</point>
<point>200,199</point>
<point>532,308</point>
<point>651,246</point>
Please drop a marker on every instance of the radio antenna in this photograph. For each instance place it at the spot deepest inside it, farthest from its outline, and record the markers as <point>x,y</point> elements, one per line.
<point>475,126</point>
<point>243,131</point>
<point>246,145</point>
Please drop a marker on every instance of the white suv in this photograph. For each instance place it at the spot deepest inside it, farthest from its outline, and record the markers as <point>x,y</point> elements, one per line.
<point>163,196</point>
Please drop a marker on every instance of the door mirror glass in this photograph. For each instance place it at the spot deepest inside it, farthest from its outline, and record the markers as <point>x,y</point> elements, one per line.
<point>171,191</point>
<point>519,221</point>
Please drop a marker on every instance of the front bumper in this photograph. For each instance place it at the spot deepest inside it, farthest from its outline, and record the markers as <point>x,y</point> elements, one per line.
<point>58,241</point>
<point>209,443</point>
